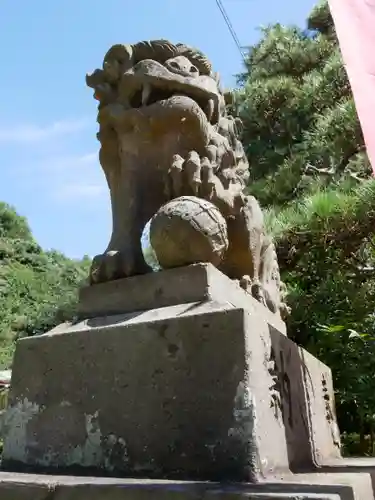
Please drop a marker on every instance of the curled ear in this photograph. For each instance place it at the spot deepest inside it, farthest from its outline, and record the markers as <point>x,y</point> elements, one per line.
<point>122,54</point>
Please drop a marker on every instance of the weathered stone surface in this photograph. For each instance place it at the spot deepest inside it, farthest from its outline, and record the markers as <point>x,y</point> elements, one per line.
<point>309,487</point>
<point>188,230</point>
<point>183,395</point>
<point>349,465</point>
<point>195,283</point>
<point>165,133</point>
<point>10,490</point>
<point>319,395</point>
<point>303,392</point>
<point>204,390</point>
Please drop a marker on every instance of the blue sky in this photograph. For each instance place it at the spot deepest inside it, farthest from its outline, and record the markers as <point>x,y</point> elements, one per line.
<point>48,149</point>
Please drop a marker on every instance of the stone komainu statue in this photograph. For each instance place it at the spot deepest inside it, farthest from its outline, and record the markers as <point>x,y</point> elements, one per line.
<point>165,133</point>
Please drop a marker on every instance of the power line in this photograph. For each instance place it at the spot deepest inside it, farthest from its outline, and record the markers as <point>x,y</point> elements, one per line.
<point>229,24</point>
<point>231,28</point>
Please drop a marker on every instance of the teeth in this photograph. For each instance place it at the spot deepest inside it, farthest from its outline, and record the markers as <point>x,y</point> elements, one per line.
<point>146,91</point>
<point>209,109</point>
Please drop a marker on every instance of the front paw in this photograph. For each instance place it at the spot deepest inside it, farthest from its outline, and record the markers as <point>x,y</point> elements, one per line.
<point>190,176</point>
<point>254,288</point>
<point>110,266</point>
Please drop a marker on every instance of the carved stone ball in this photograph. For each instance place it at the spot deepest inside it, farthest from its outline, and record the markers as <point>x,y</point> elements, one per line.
<point>188,230</point>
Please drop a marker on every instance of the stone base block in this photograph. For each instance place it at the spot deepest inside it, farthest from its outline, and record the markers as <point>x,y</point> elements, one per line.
<point>195,391</point>
<point>183,285</point>
<point>181,391</point>
<point>308,487</point>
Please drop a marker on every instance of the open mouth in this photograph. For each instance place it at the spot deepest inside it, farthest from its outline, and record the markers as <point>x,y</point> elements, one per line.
<point>149,93</point>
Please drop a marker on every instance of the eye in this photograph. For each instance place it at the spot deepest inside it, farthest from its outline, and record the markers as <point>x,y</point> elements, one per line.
<point>193,69</point>
<point>174,64</point>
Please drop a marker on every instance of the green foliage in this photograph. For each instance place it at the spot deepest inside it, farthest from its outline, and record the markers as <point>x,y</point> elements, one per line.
<point>320,18</point>
<point>13,225</point>
<point>284,51</point>
<point>311,172</point>
<point>327,251</point>
<point>37,289</point>
<point>297,109</point>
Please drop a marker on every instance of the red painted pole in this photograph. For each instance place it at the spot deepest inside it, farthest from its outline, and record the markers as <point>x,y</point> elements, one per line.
<point>355,26</point>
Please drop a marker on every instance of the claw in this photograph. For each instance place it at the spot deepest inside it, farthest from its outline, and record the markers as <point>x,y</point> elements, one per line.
<point>258,293</point>
<point>193,171</point>
<point>96,268</point>
<point>228,160</point>
<point>175,173</point>
<point>209,109</point>
<point>208,178</point>
<point>212,153</point>
<point>245,283</point>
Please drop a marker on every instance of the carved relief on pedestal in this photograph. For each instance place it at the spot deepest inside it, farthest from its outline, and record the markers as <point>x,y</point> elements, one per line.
<point>330,413</point>
<point>280,389</point>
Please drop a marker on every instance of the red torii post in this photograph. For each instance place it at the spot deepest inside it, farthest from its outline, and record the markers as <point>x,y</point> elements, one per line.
<point>355,27</point>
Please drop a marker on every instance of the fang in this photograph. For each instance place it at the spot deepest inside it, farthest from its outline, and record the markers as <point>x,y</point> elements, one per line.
<point>146,91</point>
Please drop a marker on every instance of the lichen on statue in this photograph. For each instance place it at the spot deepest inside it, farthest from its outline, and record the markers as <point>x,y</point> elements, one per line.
<point>165,133</point>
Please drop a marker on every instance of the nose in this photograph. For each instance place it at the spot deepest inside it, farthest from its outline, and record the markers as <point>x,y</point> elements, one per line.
<point>182,65</point>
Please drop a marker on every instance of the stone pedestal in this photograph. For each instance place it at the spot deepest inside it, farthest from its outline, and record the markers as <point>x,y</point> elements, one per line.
<point>193,380</point>
<point>345,486</point>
